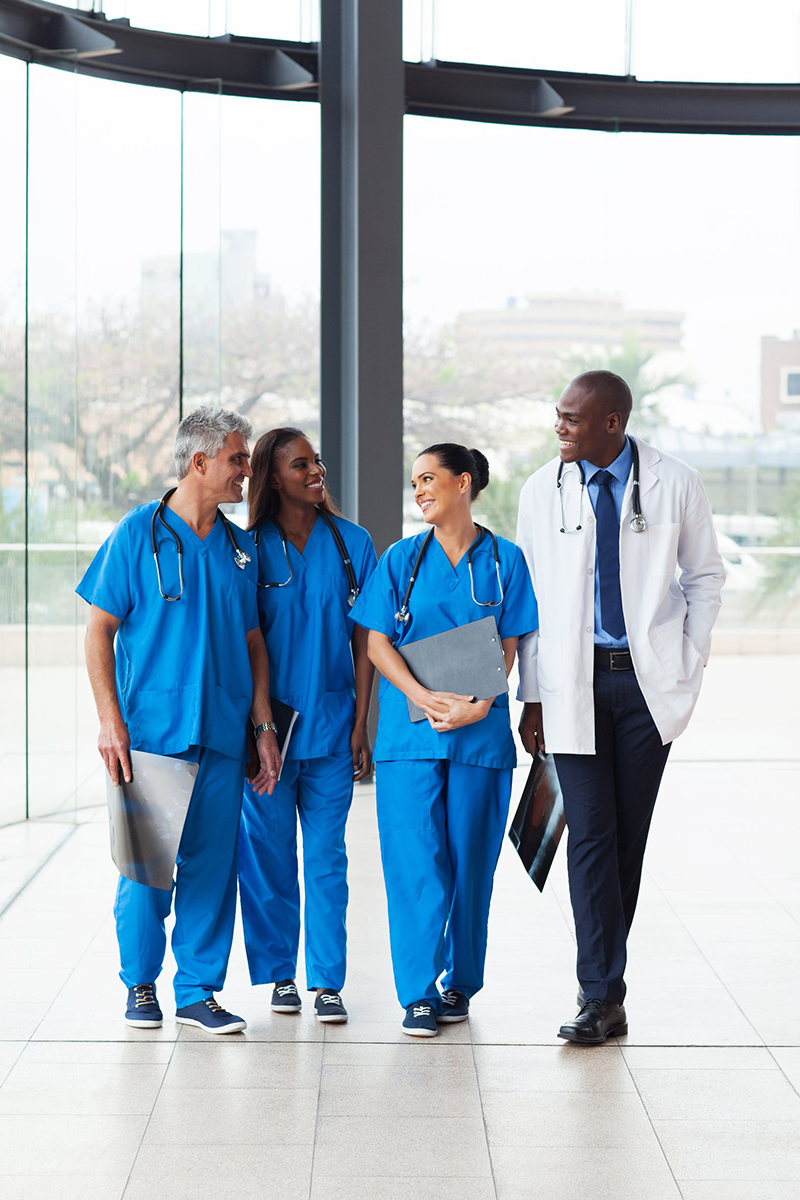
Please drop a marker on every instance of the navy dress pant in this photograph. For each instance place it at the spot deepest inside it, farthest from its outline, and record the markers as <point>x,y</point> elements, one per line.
<point>608,802</point>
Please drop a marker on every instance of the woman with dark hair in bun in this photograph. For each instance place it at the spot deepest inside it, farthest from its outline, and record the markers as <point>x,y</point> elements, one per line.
<point>443,783</point>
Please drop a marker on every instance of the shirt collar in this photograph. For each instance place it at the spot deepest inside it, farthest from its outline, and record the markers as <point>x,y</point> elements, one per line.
<point>620,468</point>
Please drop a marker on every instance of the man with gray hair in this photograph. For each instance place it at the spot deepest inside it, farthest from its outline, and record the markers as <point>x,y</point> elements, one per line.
<point>175,585</point>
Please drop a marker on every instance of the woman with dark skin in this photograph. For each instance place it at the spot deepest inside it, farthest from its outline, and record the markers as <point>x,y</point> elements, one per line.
<point>320,668</point>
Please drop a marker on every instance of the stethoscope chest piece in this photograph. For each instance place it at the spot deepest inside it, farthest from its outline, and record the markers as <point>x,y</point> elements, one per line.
<point>241,559</point>
<point>638,523</point>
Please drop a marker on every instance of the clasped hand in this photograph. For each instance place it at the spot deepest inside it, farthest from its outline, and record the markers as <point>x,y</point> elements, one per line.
<point>448,710</point>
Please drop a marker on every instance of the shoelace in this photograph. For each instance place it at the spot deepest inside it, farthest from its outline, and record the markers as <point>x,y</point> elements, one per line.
<point>450,997</point>
<point>144,995</point>
<point>422,1010</point>
<point>288,989</point>
<point>330,998</point>
<point>592,1006</point>
<point>212,1004</point>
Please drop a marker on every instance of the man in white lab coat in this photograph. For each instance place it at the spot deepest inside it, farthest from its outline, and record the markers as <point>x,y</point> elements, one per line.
<point>613,673</point>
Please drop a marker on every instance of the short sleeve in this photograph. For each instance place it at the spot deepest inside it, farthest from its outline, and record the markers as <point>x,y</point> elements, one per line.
<point>106,583</point>
<point>520,613</point>
<point>377,604</point>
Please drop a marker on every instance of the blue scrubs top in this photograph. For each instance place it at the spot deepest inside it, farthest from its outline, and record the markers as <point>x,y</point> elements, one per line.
<point>183,669</point>
<point>307,627</point>
<point>441,600</point>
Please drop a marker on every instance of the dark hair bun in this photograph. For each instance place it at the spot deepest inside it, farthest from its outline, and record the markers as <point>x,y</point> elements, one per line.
<point>481,476</point>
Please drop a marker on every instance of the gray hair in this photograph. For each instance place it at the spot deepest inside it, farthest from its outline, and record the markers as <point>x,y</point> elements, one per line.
<point>205,430</point>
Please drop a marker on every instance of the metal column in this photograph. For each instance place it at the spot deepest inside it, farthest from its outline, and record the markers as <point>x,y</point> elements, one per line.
<point>362,100</point>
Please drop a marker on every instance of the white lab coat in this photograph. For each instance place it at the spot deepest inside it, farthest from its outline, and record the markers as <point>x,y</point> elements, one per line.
<point>668,619</point>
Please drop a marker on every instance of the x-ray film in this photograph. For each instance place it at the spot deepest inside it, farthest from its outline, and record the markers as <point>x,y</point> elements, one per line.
<point>539,820</point>
<point>146,817</point>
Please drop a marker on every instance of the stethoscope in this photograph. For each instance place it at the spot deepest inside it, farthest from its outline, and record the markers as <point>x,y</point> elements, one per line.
<point>239,557</point>
<point>638,523</point>
<point>340,546</point>
<point>402,616</point>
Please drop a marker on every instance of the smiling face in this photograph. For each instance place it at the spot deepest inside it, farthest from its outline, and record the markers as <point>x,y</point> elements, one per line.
<point>298,473</point>
<point>586,429</point>
<point>224,475</point>
<point>438,493</point>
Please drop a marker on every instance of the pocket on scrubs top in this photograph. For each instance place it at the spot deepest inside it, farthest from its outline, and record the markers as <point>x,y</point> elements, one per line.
<point>161,718</point>
<point>406,793</point>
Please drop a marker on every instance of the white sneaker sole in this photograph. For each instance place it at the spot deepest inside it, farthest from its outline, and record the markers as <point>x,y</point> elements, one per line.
<point>419,1032</point>
<point>331,1020</point>
<point>286,1008</point>
<point>234,1027</point>
<point>144,1024</point>
<point>452,1020</point>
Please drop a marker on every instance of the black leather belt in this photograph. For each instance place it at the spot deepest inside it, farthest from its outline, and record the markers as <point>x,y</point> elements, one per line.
<point>615,660</point>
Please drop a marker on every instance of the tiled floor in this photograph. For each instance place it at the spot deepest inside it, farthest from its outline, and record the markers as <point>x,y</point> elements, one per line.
<point>700,1100</point>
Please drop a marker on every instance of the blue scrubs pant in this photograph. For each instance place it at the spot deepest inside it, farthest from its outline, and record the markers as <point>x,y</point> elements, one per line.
<point>205,890</point>
<point>608,802</point>
<point>441,827</point>
<point>320,791</point>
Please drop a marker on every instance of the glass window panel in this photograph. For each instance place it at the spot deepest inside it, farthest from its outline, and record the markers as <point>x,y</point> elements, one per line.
<point>270,262</point>
<point>583,35</point>
<point>53,450</point>
<point>128,325</point>
<point>665,258</point>
<point>12,441</point>
<point>719,41</point>
<point>291,20</point>
<point>202,249</point>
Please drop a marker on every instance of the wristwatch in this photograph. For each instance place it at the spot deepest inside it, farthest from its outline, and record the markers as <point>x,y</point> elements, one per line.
<point>265,727</point>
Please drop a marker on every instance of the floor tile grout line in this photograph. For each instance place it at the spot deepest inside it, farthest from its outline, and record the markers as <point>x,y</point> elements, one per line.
<point>483,1114</point>
<point>650,1121</point>
<point>794,1088</point>
<point>705,959</point>
<point>316,1115</point>
<point>149,1119</point>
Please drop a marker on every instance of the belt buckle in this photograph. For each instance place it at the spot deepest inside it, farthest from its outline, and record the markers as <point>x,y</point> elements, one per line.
<point>612,654</point>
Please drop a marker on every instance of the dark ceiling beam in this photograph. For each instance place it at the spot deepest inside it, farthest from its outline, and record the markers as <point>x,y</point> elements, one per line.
<point>611,102</point>
<point>241,66</point>
<point>234,65</point>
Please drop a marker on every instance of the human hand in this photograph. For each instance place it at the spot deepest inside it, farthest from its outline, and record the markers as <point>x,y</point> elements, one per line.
<point>531,728</point>
<point>362,753</point>
<point>270,762</point>
<point>114,744</point>
<point>458,711</point>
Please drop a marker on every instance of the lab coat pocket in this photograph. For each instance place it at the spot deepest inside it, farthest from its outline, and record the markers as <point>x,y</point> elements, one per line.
<point>550,666</point>
<point>406,791</point>
<point>667,641</point>
<point>663,543</point>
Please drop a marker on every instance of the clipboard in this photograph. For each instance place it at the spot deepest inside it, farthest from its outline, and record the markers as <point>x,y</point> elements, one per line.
<point>147,815</point>
<point>467,660</point>
<point>538,823</point>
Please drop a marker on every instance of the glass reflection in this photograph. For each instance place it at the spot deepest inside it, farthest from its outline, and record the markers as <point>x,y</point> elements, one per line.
<point>13,85</point>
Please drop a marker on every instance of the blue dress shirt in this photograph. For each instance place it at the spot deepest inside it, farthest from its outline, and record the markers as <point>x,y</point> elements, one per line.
<point>620,468</point>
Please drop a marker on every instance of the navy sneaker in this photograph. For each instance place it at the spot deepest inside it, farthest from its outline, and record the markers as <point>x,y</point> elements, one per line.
<point>456,1007</point>
<point>328,1007</point>
<point>143,1011</point>
<point>420,1020</point>
<point>210,1016</point>
<point>285,997</point>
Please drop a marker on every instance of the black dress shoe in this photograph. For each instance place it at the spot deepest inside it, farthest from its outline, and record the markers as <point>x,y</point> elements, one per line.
<point>597,1020</point>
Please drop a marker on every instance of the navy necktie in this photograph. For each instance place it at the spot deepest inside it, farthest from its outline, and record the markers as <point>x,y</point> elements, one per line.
<point>608,557</point>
